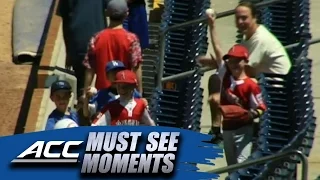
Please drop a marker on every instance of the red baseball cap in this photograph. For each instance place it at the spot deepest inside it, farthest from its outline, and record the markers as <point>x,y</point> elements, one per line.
<point>237,51</point>
<point>126,76</point>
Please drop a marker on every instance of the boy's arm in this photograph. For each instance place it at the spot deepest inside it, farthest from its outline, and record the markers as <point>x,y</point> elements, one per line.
<point>146,119</point>
<point>103,118</point>
<point>83,121</point>
<point>207,62</point>
<point>136,60</point>
<point>138,71</point>
<point>89,109</point>
<point>89,103</point>
<point>213,62</point>
<point>86,112</point>
<point>215,41</point>
<point>89,63</point>
<point>258,106</point>
<point>89,75</point>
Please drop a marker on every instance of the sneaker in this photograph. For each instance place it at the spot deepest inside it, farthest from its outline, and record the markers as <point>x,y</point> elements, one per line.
<point>218,140</point>
<point>210,132</point>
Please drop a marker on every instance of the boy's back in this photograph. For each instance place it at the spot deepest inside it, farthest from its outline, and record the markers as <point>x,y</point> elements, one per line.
<point>111,44</point>
<point>115,44</point>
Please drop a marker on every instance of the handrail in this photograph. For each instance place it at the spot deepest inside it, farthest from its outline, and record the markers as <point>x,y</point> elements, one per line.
<point>204,69</point>
<point>275,157</point>
<point>192,22</point>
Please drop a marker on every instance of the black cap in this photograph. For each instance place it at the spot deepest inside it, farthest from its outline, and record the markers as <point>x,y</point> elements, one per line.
<point>60,85</point>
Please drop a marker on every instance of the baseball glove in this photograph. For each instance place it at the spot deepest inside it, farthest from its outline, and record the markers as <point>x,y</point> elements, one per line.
<point>235,117</point>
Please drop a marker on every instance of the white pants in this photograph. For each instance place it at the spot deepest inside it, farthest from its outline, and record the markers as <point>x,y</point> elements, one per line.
<point>238,144</point>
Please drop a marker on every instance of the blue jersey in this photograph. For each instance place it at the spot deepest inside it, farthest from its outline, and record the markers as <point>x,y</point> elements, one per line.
<point>56,115</point>
<point>104,96</point>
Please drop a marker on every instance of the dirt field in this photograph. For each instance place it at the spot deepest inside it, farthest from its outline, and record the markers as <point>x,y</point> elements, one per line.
<point>13,77</point>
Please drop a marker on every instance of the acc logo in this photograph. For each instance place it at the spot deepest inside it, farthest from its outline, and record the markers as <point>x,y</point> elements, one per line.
<point>39,152</point>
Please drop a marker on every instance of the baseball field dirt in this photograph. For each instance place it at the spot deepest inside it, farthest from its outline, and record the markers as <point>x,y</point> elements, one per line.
<point>13,77</point>
<point>19,97</point>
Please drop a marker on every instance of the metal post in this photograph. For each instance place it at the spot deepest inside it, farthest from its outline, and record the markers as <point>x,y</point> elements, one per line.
<point>275,157</point>
<point>204,69</point>
<point>192,22</point>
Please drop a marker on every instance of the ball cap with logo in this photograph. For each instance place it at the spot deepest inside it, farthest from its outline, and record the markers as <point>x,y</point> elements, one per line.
<point>115,65</point>
<point>126,77</point>
<point>60,85</point>
<point>237,51</point>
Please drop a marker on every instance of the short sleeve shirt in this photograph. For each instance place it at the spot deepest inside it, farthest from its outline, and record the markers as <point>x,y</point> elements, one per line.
<point>108,45</point>
<point>266,53</point>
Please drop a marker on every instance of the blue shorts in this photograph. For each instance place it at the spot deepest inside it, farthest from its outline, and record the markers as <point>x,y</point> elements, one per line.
<point>137,23</point>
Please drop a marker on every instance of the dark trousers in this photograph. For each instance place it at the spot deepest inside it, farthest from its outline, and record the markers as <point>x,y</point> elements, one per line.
<point>138,15</point>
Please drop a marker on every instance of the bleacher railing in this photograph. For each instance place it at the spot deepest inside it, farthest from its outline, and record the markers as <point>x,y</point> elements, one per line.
<point>275,157</point>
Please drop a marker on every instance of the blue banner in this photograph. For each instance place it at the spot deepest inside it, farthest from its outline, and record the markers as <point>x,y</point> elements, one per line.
<point>112,152</point>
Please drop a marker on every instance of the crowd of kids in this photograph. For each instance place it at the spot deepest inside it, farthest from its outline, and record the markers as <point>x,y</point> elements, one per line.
<point>121,104</point>
<point>121,40</point>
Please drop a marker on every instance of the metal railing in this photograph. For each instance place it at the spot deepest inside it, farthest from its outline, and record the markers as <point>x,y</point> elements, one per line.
<point>205,69</point>
<point>275,157</point>
<point>160,78</point>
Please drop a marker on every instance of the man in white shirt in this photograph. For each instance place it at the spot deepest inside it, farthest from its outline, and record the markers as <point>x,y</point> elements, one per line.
<point>266,55</point>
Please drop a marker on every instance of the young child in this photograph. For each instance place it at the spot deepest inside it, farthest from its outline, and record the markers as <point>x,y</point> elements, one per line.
<point>126,110</point>
<point>94,103</point>
<point>240,90</point>
<point>60,95</point>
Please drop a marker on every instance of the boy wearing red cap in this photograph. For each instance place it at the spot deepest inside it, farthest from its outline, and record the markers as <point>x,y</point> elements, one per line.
<point>94,103</point>
<point>126,110</point>
<point>240,90</point>
<point>232,94</point>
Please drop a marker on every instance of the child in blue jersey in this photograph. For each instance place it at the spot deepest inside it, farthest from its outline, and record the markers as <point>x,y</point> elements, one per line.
<point>60,95</point>
<point>94,103</point>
